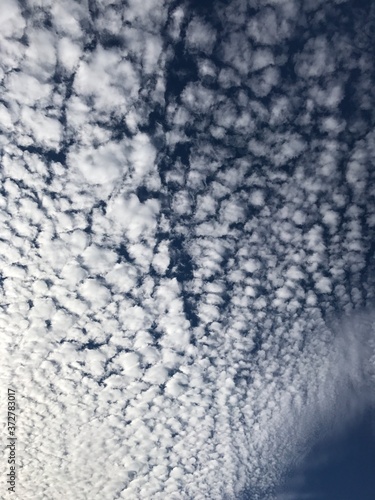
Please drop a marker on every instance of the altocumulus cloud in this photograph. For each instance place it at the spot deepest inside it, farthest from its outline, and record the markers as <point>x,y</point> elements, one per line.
<point>187,268</point>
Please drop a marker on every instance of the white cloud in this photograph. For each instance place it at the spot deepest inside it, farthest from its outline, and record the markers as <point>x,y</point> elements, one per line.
<point>46,131</point>
<point>97,294</point>
<point>67,16</point>
<point>138,219</point>
<point>316,59</point>
<point>200,36</point>
<point>174,238</point>
<point>69,53</point>
<point>11,21</point>
<point>257,198</point>
<point>161,258</point>
<point>40,56</point>
<point>105,165</point>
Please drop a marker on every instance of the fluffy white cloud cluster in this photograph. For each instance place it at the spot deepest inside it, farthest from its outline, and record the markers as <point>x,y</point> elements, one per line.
<point>178,241</point>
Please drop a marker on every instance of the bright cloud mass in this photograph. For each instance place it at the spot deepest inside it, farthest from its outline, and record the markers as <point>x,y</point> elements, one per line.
<point>187,242</point>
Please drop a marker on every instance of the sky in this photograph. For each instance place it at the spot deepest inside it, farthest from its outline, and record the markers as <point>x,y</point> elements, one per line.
<point>337,467</point>
<point>187,248</point>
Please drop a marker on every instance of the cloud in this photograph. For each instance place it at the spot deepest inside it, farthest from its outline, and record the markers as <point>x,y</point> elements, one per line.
<point>200,36</point>
<point>100,166</point>
<point>187,262</point>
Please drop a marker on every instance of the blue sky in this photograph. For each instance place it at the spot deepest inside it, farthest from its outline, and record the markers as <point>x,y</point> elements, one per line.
<point>338,467</point>
<point>187,252</point>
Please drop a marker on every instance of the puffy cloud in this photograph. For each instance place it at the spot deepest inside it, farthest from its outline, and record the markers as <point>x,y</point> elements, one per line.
<point>200,36</point>
<point>187,266</point>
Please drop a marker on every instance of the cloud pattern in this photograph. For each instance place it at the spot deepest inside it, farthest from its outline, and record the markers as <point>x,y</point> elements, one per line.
<point>187,259</point>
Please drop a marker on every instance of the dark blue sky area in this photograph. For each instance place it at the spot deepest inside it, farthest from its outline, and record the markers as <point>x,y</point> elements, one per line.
<point>337,468</point>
